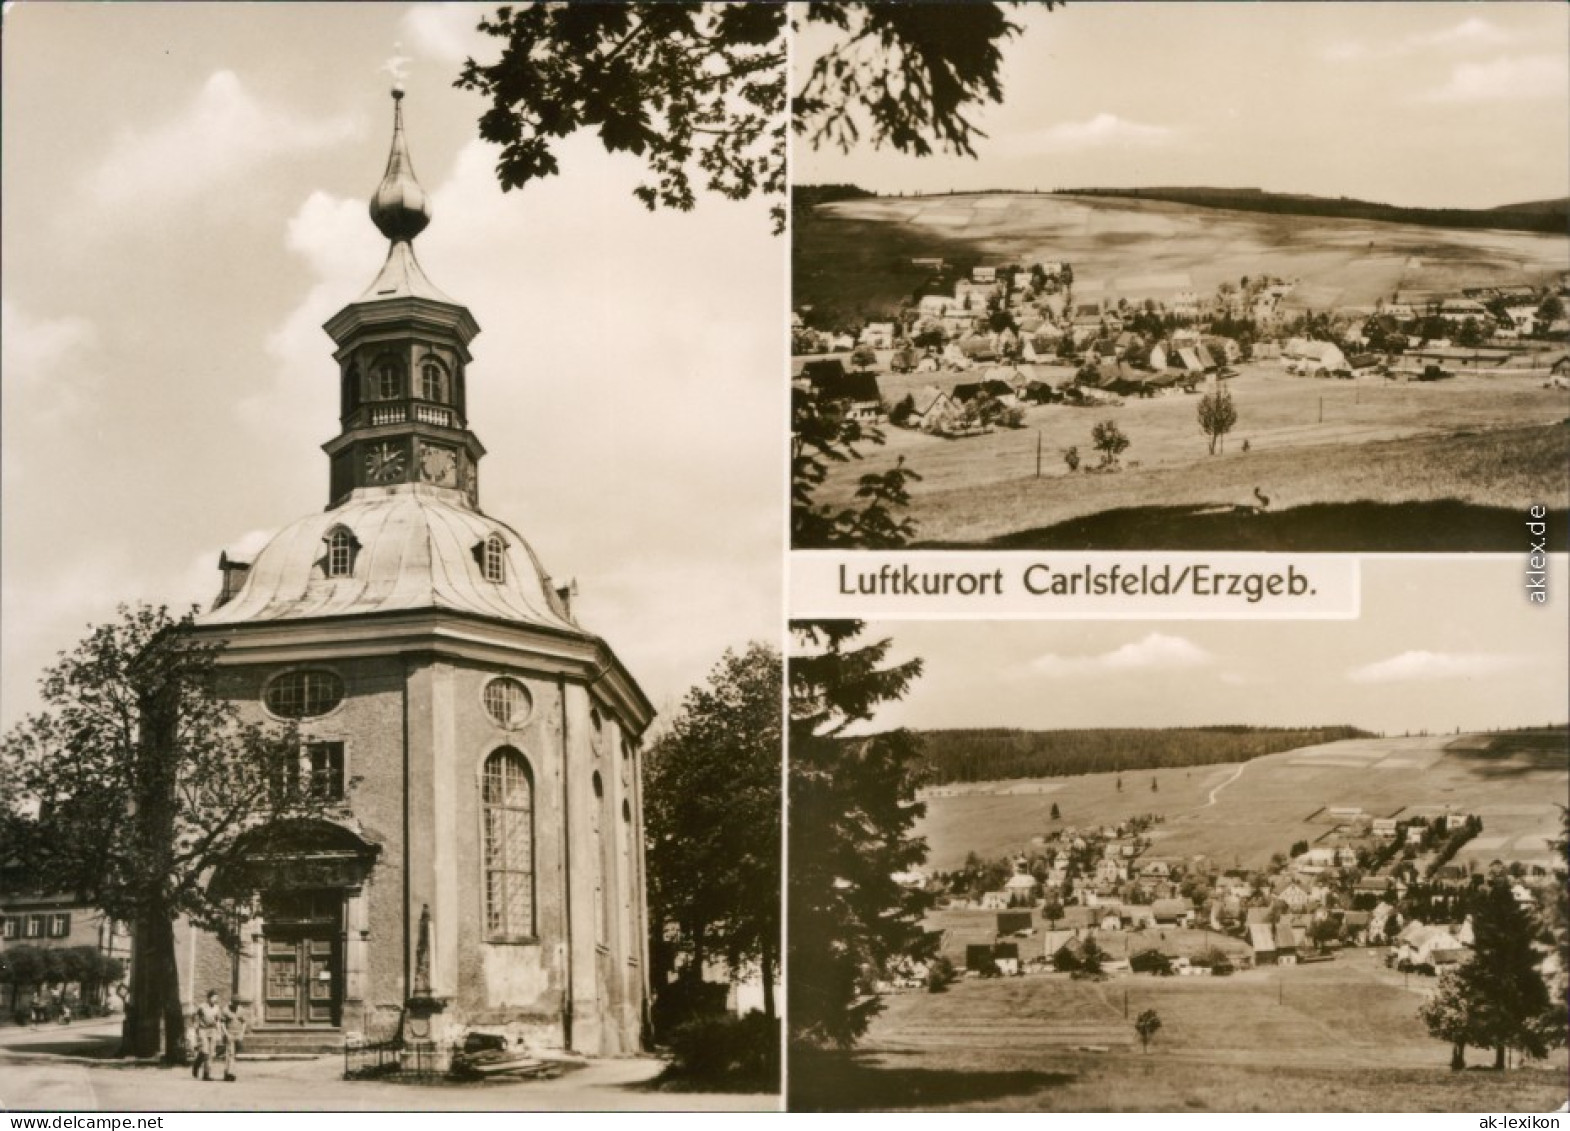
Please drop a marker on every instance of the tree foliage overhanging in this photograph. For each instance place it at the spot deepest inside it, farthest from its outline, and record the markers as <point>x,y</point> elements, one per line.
<point>852,808</point>
<point>698,90</point>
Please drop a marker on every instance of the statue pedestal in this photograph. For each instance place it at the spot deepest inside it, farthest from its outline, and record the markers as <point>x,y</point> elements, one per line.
<point>425,1022</point>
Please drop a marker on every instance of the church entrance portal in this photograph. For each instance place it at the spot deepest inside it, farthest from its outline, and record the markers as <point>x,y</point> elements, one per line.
<point>303,976</point>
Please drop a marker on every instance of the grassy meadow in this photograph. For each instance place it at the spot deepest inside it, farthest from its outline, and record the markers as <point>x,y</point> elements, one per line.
<point>1485,445</point>
<point>1335,1036</point>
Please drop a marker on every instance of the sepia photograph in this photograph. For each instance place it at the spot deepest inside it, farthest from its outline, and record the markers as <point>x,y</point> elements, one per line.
<point>1189,866</point>
<point>391,686</point>
<point>1285,277</point>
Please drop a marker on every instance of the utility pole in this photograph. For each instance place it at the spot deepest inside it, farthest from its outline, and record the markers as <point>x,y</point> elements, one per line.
<point>1038,453</point>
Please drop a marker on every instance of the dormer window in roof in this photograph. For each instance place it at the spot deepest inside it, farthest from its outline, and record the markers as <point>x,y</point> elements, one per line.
<point>342,548</point>
<point>492,556</point>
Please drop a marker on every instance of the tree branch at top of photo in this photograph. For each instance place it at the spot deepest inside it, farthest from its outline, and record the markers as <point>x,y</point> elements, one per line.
<point>904,75</point>
<point>698,89</point>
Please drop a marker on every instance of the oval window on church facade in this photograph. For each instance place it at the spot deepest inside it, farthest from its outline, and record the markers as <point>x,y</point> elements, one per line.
<point>303,694</point>
<point>508,702</point>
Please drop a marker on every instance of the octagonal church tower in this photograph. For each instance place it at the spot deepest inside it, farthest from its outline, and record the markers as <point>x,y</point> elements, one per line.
<point>480,746</point>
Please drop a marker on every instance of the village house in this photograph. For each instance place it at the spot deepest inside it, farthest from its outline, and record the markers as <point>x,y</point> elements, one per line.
<point>878,335</point>
<point>1022,889</point>
<point>1422,945</point>
<point>1294,895</point>
<point>1177,912</point>
<point>930,407</point>
<point>856,389</point>
<point>1313,359</point>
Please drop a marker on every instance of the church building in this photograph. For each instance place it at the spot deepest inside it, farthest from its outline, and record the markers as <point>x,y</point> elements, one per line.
<point>484,858</point>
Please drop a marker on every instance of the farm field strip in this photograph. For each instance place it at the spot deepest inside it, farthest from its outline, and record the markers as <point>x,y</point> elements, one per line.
<point>1266,808</point>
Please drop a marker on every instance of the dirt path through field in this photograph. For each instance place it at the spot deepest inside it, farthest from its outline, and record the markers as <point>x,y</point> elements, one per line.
<point>1237,773</point>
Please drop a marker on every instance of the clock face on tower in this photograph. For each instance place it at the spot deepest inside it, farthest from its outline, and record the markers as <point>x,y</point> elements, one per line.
<point>438,465</point>
<point>384,463</point>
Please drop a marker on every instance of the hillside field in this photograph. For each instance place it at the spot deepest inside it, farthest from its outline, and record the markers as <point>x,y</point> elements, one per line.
<point>854,255</point>
<point>1335,1036</point>
<point>1240,814</point>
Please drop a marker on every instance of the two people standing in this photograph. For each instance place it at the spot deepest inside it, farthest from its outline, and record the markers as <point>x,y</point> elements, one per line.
<point>218,1034</point>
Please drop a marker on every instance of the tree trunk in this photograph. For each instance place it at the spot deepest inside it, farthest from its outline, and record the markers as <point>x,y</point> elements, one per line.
<point>766,968</point>
<point>139,1032</point>
<point>1458,1056</point>
<point>1499,1058</point>
<point>169,997</point>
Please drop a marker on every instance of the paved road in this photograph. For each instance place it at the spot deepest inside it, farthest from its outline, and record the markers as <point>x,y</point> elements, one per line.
<point>54,1080</point>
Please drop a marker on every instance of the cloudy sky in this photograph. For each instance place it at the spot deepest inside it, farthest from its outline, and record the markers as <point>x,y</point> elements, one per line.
<point>1424,104</point>
<point>184,196</point>
<point>1440,644</point>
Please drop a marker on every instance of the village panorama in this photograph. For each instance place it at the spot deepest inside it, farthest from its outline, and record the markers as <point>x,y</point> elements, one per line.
<point>1186,369</point>
<point>1311,916</point>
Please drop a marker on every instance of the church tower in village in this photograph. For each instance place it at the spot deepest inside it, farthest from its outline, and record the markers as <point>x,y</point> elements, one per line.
<point>485,856</point>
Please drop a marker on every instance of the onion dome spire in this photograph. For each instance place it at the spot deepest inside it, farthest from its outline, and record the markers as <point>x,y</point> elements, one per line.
<point>400,207</point>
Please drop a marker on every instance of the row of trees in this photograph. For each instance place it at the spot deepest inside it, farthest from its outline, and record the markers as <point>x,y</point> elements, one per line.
<point>38,968</point>
<point>966,755</point>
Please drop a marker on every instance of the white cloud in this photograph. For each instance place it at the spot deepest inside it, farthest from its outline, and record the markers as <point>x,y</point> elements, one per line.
<point>223,133</point>
<point>44,354</point>
<point>446,33</point>
<point>1512,78</point>
<point>1428,666</point>
<point>1155,652</point>
<point>49,373</point>
<point>1100,132</point>
<point>1473,33</point>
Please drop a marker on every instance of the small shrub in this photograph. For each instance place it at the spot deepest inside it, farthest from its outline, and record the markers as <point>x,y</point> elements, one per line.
<point>940,975</point>
<point>727,1051</point>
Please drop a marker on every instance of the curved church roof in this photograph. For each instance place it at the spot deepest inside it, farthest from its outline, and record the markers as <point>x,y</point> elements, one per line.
<point>412,547</point>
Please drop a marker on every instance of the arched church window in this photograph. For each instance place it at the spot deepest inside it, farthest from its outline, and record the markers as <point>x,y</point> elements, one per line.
<point>341,547</point>
<point>507,806</point>
<point>304,694</point>
<point>508,701</point>
<point>433,381</point>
